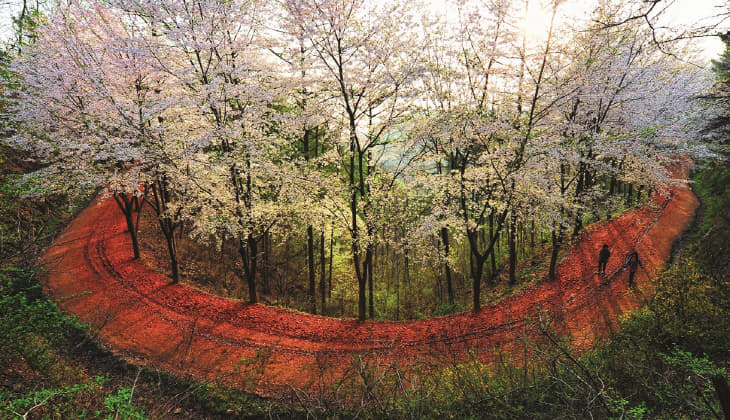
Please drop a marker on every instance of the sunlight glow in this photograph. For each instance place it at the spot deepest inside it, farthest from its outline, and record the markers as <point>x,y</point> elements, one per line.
<point>537,20</point>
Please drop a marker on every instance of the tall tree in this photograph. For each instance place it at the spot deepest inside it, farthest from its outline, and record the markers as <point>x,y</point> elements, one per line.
<point>365,51</point>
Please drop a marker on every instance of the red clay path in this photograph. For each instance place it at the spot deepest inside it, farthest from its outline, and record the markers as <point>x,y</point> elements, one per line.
<point>141,316</point>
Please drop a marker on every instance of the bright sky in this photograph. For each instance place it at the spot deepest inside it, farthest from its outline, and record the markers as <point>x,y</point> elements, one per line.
<point>7,10</point>
<point>688,14</point>
<point>679,13</point>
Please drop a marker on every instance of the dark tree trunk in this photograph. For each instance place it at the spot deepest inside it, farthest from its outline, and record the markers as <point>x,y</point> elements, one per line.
<point>407,274</point>
<point>253,246</point>
<point>578,225</point>
<point>532,236</point>
<point>477,268</point>
<point>630,195</point>
<point>332,245</point>
<point>249,253</point>
<point>172,250</point>
<point>447,267</point>
<point>361,284</point>
<point>492,257</point>
<point>310,263</point>
<point>265,281</point>
<point>354,229</point>
<point>132,234</point>
<point>322,269</point>
<point>612,186</point>
<point>557,239</point>
<point>168,223</point>
<point>580,187</point>
<point>128,205</point>
<point>512,249</point>
<point>368,268</point>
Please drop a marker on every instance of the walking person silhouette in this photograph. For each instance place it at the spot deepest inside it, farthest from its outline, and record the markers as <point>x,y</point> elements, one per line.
<point>632,262</point>
<point>603,257</point>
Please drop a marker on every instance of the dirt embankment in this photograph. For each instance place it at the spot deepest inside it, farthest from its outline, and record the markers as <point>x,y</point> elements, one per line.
<point>140,315</point>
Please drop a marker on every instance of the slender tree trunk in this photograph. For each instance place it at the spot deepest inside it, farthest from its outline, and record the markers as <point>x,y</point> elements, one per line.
<point>477,268</point>
<point>368,268</point>
<point>629,195</point>
<point>127,206</point>
<point>249,253</point>
<point>265,281</point>
<point>138,204</point>
<point>492,257</point>
<point>322,270</point>
<point>407,275</point>
<point>253,247</point>
<point>310,263</point>
<point>447,267</point>
<point>397,293</point>
<point>532,236</point>
<point>168,223</point>
<point>172,250</point>
<point>332,245</point>
<point>557,239</point>
<point>512,239</point>
<point>133,234</point>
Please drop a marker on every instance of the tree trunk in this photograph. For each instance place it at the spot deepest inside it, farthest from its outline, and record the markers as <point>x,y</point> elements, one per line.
<point>447,267</point>
<point>512,239</point>
<point>265,281</point>
<point>477,267</point>
<point>322,285</point>
<point>128,205</point>
<point>253,246</point>
<point>354,229</point>
<point>168,223</point>
<point>172,250</point>
<point>249,253</point>
<point>492,257</point>
<point>368,268</point>
<point>332,245</point>
<point>310,263</point>
<point>132,234</point>
<point>361,283</point>
<point>557,239</point>
<point>630,195</point>
<point>407,275</point>
<point>532,237</point>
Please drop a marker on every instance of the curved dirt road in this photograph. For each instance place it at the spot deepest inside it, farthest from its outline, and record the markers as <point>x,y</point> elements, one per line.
<point>141,316</point>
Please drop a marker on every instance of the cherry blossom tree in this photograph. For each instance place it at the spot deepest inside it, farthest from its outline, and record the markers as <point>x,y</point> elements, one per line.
<point>365,51</point>
<point>485,120</point>
<point>216,56</point>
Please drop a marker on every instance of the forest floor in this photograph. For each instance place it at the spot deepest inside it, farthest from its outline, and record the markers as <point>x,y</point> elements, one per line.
<point>141,316</point>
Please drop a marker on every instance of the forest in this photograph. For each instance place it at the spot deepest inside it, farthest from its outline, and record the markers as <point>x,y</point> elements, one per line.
<point>418,163</point>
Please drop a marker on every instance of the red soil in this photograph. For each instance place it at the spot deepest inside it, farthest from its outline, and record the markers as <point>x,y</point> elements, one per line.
<point>141,316</point>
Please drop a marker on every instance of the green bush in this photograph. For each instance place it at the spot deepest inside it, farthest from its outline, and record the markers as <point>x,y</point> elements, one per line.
<point>66,402</point>
<point>119,406</point>
<point>31,328</point>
